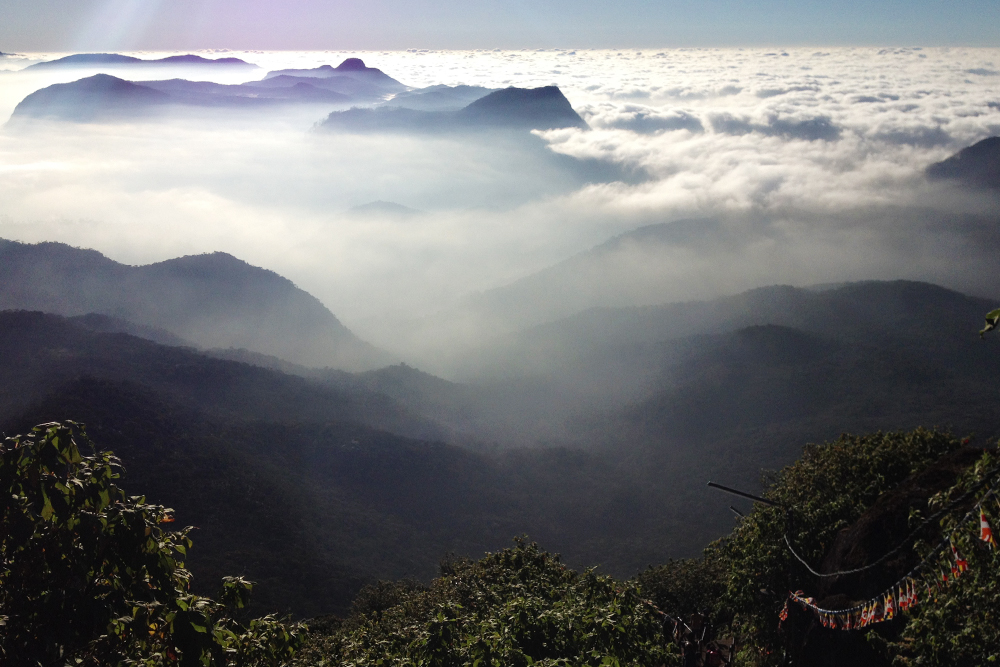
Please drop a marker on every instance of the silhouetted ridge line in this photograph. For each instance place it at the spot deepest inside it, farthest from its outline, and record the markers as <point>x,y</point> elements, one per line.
<point>116,59</point>
<point>213,301</point>
<point>91,98</point>
<point>977,165</point>
<point>512,108</point>
<point>540,108</point>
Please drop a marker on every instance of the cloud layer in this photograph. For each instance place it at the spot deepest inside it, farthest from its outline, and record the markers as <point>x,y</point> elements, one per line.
<point>810,155</point>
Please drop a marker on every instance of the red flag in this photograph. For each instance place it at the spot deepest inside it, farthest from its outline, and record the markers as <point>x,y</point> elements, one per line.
<point>985,532</point>
<point>961,565</point>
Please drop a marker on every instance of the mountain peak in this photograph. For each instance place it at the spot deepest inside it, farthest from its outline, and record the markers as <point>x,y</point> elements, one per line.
<point>352,65</point>
<point>541,108</point>
<point>213,300</point>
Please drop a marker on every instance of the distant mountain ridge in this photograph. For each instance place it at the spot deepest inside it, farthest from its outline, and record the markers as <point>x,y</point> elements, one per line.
<point>511,108</point>
<point>105,97</point>
<point>863,310</point>
<point>116,59</point>
<point>213,300</point>
<point>351,68</point>
<point>438,98</point>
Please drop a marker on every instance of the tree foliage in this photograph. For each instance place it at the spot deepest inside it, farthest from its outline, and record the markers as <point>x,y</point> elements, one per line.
<point>826,490</point>
<point>91,576</point>
<point>958,626</point>
<point>516,607</point>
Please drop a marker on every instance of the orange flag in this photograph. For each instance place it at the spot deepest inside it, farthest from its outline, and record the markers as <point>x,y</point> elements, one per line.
<point>985,532</point>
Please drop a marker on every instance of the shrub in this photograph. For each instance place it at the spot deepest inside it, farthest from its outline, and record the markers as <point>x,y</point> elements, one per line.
<point>90,576</point>
<point>513,608</point>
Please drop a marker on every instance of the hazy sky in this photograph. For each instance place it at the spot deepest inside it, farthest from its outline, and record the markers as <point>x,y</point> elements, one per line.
<point>78,25</point>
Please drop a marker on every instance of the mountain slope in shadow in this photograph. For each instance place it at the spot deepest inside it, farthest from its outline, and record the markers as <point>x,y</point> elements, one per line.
<point>508,109</point>
<point>104,98</point>
<point>298,485</point>
<point>368,81</point>
<point>977,165</point>
<point>212,301</point>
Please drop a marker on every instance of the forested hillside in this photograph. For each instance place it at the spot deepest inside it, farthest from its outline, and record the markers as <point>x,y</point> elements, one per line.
<point>377,475</point>
<point>210,300</point>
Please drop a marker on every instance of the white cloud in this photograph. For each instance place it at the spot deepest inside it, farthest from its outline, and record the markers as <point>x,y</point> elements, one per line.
<point>812,142</point>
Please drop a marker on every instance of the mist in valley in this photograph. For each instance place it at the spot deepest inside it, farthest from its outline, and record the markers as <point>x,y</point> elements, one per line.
<point>809,165</point>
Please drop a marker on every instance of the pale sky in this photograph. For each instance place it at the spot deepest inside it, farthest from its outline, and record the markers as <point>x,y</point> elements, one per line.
<point>108,25</point>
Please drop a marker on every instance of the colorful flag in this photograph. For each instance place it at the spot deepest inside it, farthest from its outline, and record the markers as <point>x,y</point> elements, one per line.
<point>985,532</point>
<point>961,565</point>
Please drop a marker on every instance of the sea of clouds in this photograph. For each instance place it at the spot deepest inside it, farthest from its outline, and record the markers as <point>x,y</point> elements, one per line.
<point>813,159</point>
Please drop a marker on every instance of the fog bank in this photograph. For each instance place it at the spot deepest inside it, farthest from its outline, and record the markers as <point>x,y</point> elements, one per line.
<point>811,162</point>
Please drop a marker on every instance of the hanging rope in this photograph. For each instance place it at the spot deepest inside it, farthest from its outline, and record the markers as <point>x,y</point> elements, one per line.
<point>903,594</point>
<point>916,531</point>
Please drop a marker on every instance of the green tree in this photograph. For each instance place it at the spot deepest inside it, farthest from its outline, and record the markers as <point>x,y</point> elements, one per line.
<point>958,626</point>
<point>513,608</point>
<point>826,490</point>
<point>90,576</point>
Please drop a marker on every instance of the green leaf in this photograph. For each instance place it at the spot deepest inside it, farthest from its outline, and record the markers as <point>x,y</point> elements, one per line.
<point>992,320</point>
<point>47,510</point>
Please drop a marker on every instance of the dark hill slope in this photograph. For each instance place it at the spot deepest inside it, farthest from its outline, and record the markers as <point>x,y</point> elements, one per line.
<point>98,97</point>
<point>250,515</point>
<point>40,351</point>
<point>210,300</point>
<point>534,108</point>
<point>309,511</point>
<point>726,406</point>
<point>904,312</point>
<point>977,165</point>
<point>285,478</point>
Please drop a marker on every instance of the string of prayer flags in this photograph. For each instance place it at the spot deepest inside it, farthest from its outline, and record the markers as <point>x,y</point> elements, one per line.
<point>902,596</point>
<point>961,565</point>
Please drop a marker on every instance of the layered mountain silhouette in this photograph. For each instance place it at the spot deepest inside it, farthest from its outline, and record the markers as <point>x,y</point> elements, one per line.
<point>396,107</point>
<point>314,485</point>
<point>609,273</point>
<point>106,97</point>
<point>212,301</point>
<point>510,108</point>
<point>90,60</point>
<point>97,97</point>
<point>438,98</point>
<point>351,76</point>
<point>977,165</point>
<point>861,311</point>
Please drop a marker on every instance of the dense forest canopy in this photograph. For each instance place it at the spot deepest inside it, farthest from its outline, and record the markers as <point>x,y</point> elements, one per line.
<point>81,556</point>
